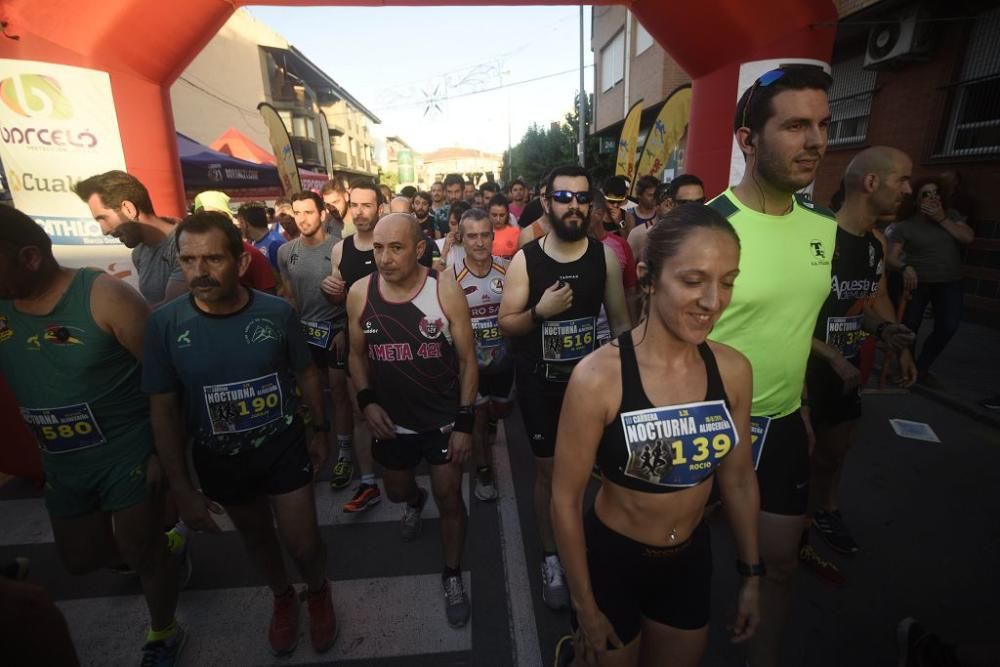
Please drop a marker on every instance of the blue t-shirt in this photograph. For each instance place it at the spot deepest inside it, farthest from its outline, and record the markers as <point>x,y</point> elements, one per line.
<point>269,246</point>
<point>235,372</point>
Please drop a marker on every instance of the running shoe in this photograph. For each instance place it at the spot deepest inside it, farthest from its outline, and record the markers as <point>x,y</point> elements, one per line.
<point>565,652</point>
<point>992,403</point>
<point>179,543</point>
<point>820,566</point>
<point>486,489</point>
<point>365,496</point>
<point>323,628</point>
<point>555,594</point>
<point>16,568</point>
<point>456,603</point>
<point>833,529</point>
<point>343,473</point>
<point>164,652</point>
<point>283,634</point>
<point>411,526</point>
<point>919,648</point>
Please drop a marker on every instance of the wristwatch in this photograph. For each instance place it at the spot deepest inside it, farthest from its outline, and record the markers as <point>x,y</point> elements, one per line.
<point>751,570</point>
<point>321,428</point>
<point>535,317</point>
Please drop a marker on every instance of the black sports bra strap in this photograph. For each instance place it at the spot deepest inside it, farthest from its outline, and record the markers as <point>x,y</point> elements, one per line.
<point>632,392</point>
<point>715,390</point>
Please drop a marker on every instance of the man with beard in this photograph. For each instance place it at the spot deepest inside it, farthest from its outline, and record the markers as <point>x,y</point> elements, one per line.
<point>437,198</point>
<point>413,360</point>
<point>336,202</point>
<point>224,367</point>
<point>422,212</point>
<point>454,185</point>
<point>122,207</point>
<point>304,264</point>
<point>469,193</point>
<point>554,292</point>
<point>781,125</point>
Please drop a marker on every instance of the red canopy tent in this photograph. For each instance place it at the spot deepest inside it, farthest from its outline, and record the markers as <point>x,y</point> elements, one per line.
<point>235,143</point>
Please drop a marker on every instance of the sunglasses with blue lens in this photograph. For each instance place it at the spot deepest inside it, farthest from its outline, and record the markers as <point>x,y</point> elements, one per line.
<point>566,196</point>
<point>763,81</point>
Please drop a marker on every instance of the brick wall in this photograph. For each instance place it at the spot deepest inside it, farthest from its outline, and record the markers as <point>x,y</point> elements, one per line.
<point>908,112</point>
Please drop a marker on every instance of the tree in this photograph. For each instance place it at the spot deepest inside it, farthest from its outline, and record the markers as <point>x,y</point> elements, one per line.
<point>541,149</point>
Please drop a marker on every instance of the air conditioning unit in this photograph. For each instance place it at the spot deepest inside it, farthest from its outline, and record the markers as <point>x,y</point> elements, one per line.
<point>903,38</point>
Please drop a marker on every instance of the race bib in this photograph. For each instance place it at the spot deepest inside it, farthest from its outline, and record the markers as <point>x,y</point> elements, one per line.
<point>317,333</point>
<point>678,445</point>
<point>567,340</point>
<point>66,429</point>
<point>488,338</point>
<point>758,434</point>
<point>244,406</point>
<point>845,334</point>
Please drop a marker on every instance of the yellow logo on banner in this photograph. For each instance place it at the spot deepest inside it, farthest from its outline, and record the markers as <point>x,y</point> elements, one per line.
<point>627,142</point>
<point>667,130</point>
<point>35,96</point>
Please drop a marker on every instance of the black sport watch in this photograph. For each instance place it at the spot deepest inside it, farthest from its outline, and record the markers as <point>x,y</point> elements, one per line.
<point>751,570</point>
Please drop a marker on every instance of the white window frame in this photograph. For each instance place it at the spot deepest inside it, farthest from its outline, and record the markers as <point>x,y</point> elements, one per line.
<point>613,62</point>
<point>643,40</point>
<point>850,100</point>
<point>981,63</point>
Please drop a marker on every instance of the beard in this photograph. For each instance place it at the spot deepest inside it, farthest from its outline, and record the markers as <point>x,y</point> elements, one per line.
<point>567,231</point>
<point>775,172</point>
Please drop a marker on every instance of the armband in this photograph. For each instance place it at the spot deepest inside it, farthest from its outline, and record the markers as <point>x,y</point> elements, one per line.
<point>366,397</point>
<point>464,419</point>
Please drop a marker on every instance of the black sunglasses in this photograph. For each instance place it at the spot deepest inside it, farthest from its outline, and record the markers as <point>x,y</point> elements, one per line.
<point>566,196</point>
<point>679,202</point>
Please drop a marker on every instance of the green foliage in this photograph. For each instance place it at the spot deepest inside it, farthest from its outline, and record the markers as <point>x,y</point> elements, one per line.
<point>540,149</point>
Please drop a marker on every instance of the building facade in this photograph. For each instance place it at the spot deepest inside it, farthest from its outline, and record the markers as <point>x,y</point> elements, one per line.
<point>474,165</point>
<point>921,77</point>
<point>247,63</point>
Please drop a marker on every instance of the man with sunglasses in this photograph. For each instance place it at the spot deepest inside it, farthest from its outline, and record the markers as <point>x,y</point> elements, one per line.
<point>619,221</point>
<point>685,189</point>
<point>787,243</point>
<point>553,295</point>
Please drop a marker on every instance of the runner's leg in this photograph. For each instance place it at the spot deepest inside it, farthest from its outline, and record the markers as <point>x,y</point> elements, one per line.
<point>779,545</point>
<point>255,522</point>
<point>446,484</point>
<point>296,515</point>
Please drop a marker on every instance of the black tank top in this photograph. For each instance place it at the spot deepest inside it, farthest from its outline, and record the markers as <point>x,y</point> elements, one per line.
<point>556,345</point>
<point>670,448</point>
<point>355,264</point>
<point>411,359</point>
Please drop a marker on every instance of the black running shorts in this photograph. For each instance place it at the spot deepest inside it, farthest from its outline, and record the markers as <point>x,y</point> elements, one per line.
<point>829,404</point>
<point>279,466</point>
<point>540,401</point>
<point>335,357</point>
<point>783,471</point>
<point>496,387</point>
<point>668,585</point>
<point>405,451</point>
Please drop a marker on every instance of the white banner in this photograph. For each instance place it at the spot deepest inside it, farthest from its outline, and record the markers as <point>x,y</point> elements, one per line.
<point>58,126</point>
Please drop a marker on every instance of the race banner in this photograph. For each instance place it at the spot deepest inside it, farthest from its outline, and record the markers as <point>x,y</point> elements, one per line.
<point>58,126</point>
<point>670,125</point>
<point>627,143</point>
<point>281,145</point>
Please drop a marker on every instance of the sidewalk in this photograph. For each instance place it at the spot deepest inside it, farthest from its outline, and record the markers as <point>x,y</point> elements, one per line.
<point>968,371</point>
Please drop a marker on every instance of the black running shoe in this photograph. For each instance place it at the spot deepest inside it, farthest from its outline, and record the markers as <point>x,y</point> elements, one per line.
<point>919,648</point>
<point>833,529</point>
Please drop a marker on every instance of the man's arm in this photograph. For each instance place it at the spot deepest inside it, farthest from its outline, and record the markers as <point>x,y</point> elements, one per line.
<point>636,241</point>
<point>456,309</point>
<point>287,293</point>
<point>121,311</point>
<point>334,286</point>
<point>614,295</point>
<point>514,318</point>
<point>357,359</point>
<point>170,439</point>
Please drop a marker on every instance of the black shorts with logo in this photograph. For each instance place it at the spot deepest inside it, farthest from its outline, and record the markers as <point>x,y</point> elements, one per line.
<point>496,387</point>
<point>829,404</point>
<point>280,465</point>
<point>405,451</point>
<point>783,471</point>
<point>540,401</point>
<point>335,357</point>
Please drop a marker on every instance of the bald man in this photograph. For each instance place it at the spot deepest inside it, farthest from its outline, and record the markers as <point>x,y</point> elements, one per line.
<point>413,362</point>
<point>876,181</point>
<point>400,204</point>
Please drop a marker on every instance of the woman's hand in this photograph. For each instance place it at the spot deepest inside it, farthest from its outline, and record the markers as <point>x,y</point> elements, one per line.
<point>593,636</point>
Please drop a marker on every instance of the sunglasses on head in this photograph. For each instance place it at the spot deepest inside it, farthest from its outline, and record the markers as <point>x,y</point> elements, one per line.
<point>763,81</point>
<point>566,196</point>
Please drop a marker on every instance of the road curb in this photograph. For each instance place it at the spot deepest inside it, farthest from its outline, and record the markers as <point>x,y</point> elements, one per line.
<point>967,409</point>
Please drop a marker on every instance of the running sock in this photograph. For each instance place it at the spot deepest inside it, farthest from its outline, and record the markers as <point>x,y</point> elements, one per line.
<point>368,480</point>
<point>451,572</point>
<point>344,448</point>
<point>165,633</point>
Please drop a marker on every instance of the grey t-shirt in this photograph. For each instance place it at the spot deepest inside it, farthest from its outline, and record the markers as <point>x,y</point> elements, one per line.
<point>928,247</point>
<point>157,265</point>
<point>304,268</point>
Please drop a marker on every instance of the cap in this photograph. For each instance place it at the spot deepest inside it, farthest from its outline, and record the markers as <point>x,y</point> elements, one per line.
<point>616,188</point>
<point>212,200</point>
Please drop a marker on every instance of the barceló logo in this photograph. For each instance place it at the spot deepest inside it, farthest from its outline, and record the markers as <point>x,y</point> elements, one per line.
<point>35,96</point>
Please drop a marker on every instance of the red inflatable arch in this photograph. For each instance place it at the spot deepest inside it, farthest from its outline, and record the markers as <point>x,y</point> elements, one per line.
<point>145,45</point>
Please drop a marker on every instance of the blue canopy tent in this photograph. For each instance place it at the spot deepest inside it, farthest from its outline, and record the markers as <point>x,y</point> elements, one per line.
<point>205,169</point>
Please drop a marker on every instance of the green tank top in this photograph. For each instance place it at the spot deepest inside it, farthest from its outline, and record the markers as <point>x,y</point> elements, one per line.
<point>77,387</point>
<point>784,280</point>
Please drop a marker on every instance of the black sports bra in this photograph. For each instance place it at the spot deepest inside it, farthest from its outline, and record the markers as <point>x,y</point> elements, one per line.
<point>669,448</point>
